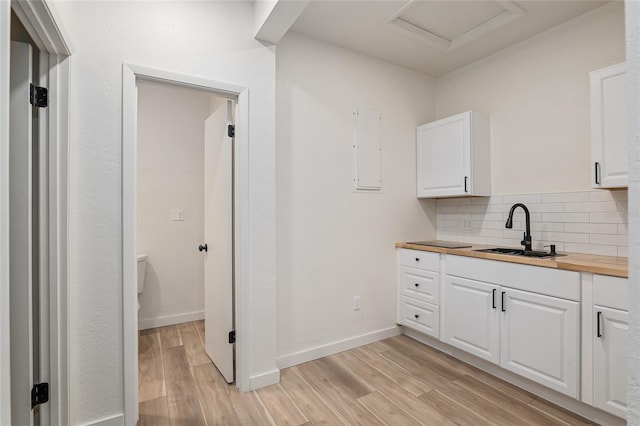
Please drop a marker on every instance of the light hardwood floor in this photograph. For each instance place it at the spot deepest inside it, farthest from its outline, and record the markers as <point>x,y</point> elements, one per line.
<point>394,382</point>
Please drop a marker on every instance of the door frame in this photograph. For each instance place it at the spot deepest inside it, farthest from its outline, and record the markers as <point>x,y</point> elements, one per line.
<point>131,73</point>
<point>53,42</point>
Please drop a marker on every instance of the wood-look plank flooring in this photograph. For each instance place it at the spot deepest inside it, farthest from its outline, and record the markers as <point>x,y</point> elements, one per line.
<point>394,382</point>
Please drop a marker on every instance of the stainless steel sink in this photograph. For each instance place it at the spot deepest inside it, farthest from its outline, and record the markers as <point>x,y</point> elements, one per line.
<point>519,252</point>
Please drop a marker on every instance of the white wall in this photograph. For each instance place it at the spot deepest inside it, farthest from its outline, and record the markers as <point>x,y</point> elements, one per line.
<point>537,94</point>
<point>332,243</point>
<point>632,12</point>
<point>170,175</point>
<point>213,40</point>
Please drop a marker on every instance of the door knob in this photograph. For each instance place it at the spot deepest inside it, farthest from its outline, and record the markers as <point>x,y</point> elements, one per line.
<point>202,247</point>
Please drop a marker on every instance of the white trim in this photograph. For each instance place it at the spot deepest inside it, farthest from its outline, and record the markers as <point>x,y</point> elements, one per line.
<point>129,265</point>
<point>144,324</point>
<point>49,37</point>
<point>586,341</point>
<point>117,420</point>
<point>58,238</point>
<point>241,244</point>
<point>130,73</point>
<point>5,362</point>
<point>37,18</point>
<point>567,402</point>
<point>336,347</point>
<point>265,379</point>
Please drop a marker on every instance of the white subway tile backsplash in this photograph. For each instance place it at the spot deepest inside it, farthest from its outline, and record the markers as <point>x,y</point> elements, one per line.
<point>566,217</point>
<point>547,208</point>
<point>548,227</point>
<point>591,228</point>
<point>565,197</point>
<point>592,207</point>
<point>623,251</point>
<point>611,217</point>
<point>614,240</point>
<point>524,199</point>
<point>565,237</point>
<point>600,196</point>
<point>592,249</point>
<point>494,199</point>
<point>587,221</point>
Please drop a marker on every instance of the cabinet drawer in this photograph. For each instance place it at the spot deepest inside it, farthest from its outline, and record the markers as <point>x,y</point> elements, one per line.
<point>612,292</point>
<point>420,284</point>
<point>420,316</point>
<point>419,259</point>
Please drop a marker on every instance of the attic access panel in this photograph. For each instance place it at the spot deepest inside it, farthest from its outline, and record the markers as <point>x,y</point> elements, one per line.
<point>449,25</point>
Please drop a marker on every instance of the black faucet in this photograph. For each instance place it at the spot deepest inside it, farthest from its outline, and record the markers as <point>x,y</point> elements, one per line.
<point>526,242</point>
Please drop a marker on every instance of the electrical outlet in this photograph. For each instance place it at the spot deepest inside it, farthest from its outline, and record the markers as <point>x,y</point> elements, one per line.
<point>177,214</point>
<point>467,224</point>
<point>356,303</point>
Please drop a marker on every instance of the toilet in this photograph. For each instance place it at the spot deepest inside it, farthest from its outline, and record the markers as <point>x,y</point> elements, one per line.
<point>142,267</point>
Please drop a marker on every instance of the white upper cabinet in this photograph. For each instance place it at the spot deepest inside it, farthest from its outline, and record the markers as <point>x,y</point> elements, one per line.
<point>453,157</point>
<point>609,127</point>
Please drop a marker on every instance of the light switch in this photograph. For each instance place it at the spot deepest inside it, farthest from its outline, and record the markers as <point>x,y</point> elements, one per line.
<point>177,214</point>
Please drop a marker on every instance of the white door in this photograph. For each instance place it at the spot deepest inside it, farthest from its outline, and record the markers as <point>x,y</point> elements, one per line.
<point>471,317</point>
<point>20,221</point>
<point>539,339</point>
<point>609,127</point>
<point>444,157</point>
<point>610,360</point>
<point>218,233</point>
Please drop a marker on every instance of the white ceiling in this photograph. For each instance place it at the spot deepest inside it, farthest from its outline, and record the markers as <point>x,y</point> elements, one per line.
<point>433,36</point>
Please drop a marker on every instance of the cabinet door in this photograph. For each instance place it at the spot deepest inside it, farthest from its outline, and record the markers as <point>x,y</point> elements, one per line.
<point>539,339</point>
<point>444,157</point>
<point>471,317</point>
<point>609,127</point>
<point>610,360</point>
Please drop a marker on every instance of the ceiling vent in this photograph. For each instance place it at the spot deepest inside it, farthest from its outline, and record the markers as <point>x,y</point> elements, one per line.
<point>449,25</point>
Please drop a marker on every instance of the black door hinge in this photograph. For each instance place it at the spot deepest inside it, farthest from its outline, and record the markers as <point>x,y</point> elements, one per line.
<point>232,336</point>
<point>39,394</point>
<point>231,130</point>
<point>39,97</point>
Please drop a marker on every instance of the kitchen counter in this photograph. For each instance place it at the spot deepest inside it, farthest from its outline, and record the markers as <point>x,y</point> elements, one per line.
<point>604,265</point>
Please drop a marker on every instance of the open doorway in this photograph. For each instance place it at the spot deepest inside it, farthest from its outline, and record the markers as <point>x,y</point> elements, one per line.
<point>180,215</point>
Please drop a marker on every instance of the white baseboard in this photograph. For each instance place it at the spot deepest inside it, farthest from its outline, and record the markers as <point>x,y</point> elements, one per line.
<point>598,416</point>
<point>116,420</point>
<point>146,323</point>
<point>335,347</point>
<point>265,379</point>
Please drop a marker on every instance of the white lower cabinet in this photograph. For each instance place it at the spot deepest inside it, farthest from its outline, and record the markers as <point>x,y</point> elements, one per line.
<point>418,295</point>
<point>610,360</point>
<point>610,339</point>
<point>526,319</point>
<point>531,334</point>
<point>471,317</point>
<point>539,339</point>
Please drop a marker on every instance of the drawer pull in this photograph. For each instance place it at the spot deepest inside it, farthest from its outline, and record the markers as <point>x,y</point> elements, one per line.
<point>417,285</point>
<point>417,259</point>
<point>417,316</point>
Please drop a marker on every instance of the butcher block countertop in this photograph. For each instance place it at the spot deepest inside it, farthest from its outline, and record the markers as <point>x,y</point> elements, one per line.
<point>604,265</point>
